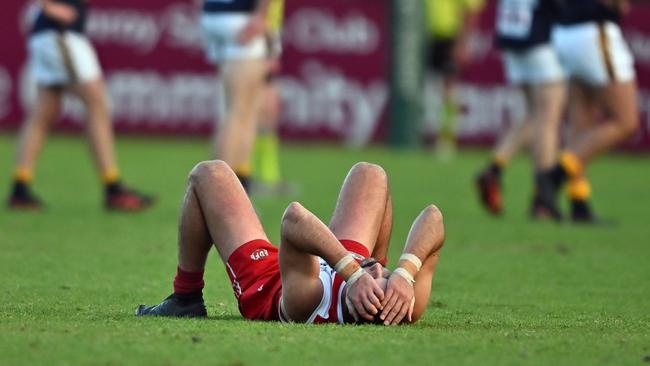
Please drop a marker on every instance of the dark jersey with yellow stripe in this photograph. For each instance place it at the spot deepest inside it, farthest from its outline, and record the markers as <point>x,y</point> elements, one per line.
<point>584,11</point>
<point>523,24</point>
<point>44,22</point>
<point>229,6</point>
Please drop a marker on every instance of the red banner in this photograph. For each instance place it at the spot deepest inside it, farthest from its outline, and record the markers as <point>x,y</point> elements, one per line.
<point>334,66</point>
<point>334,82</point>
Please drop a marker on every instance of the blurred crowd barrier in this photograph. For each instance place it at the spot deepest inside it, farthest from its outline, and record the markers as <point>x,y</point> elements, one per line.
<point>334,82</point>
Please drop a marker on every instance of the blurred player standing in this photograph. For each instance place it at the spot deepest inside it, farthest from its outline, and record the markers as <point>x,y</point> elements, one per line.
<point>524,34</point>
<point>268,176</point>
<point>603,108</point>
<point>450,22</point>
<point>234,34</point>
<point>62,59</point>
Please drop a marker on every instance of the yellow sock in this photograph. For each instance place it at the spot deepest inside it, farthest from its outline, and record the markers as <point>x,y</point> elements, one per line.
<point>243,170</point>
<point>571,164</point>
<point>267,157</point>
<point>23,175</point>
<point>579,189</point>
<point>499,161</point>
<point>110,176</point>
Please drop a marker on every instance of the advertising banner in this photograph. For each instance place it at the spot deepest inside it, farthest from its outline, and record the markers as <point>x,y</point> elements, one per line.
<point>334,82</point>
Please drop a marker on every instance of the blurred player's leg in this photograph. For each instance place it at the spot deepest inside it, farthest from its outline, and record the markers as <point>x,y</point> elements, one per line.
<point>549,106</point>
<point>589,138</point>
<point>100,137</point>
<point>32,137</point>
<point>242,84</point>
<point>603,105</point>
<point>489,179</point>
<point>216,210</point>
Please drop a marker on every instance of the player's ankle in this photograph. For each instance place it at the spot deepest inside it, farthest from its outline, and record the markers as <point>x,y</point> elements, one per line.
<point>189,298</point>
<point>20,189</point>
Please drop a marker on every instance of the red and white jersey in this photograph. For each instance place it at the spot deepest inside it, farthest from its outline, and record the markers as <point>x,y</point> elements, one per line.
<point>330,309</point>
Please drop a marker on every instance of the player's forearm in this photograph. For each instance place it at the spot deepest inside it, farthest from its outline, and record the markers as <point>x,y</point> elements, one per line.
<point>304,232</point>
<point>425,238</point>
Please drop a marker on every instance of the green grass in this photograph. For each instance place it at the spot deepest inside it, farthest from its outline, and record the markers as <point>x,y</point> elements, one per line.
<point>507,291</point>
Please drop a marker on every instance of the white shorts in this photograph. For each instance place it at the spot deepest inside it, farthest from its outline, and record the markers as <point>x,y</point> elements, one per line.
<point>47,62</point>
<point>220,38</point>
<point>594,53</point>
<point>536,65</point>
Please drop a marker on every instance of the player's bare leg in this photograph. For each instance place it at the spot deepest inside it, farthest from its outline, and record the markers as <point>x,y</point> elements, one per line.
<point>549,102</point>
<point>488,181</point>
<point>242,82</point>
<point>360,212</point>
<point>424,241</point>
<point>102,145</point>
<point>216,211</point>
<point>99,130</point>
<point>32,137</point>
<point>619,104</point>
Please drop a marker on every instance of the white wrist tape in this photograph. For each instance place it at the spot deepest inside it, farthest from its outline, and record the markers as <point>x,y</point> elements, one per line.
<point>340,265</point>
<point>355,276</point>
<point>405,274</point>
<point>411,258</point>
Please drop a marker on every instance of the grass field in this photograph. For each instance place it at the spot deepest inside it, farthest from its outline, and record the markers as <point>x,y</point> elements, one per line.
<point>507,291</point>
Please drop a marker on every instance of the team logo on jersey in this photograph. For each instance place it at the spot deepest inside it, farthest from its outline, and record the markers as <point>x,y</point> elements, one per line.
<point>259,254</point>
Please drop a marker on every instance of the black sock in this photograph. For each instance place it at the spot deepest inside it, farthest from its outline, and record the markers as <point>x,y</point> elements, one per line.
<point>113,188</point>
<point>558,175</point>
<point>20,189</point>
<point>496,169</point>
<point>545,187</point>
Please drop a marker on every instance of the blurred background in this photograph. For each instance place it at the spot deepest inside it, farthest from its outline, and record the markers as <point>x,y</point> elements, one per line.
<point>338,70</point>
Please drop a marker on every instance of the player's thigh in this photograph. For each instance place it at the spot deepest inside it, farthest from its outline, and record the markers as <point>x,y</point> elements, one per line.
<point>229,215</point>
<point>92,92</point>
<point>361,205</point>
<point>48,102</point>
<point>243,79</point>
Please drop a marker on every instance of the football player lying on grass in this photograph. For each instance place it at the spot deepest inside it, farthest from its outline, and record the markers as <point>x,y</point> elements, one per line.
<point>319,274</point>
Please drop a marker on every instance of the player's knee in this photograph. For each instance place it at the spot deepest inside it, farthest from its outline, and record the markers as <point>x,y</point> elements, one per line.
<point>373,171</point>
<point>208,170</point>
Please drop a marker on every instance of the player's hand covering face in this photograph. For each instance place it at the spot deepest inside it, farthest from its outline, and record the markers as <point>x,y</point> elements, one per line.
<point>398,302</point>
<point>364,296</point>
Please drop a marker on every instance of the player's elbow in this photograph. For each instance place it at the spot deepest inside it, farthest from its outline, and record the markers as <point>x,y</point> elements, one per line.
<point>434,214</point>
<point>207,171</point>
<point>434,220</point>
<point>372,171</point>
<point>292,216</point>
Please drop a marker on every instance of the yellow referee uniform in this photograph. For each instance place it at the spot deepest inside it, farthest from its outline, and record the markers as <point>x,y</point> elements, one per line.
<point>445,17</point>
